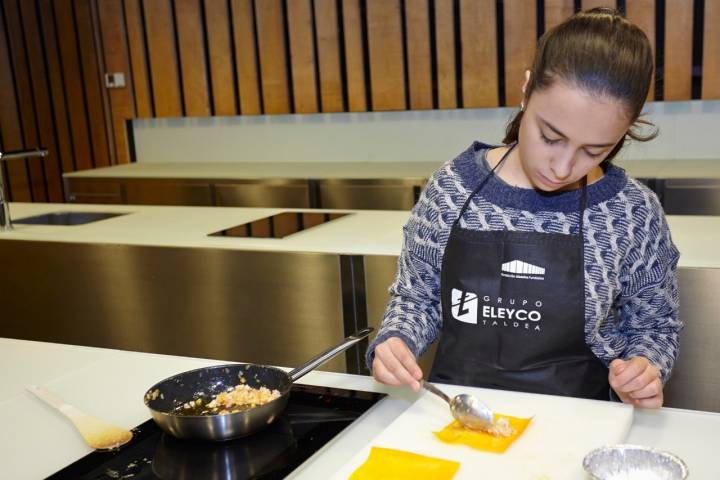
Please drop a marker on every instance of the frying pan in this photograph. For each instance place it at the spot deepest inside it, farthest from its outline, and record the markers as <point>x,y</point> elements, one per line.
<point>166,396</point>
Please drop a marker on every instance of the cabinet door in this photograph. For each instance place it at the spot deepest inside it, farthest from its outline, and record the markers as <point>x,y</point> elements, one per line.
<point>93,190</point>
<point>168,192</point>
<point>369,194</point>
<point>691,196</point>
<point>274,308</point>
<point>264,194</point>
<point>694,382</point>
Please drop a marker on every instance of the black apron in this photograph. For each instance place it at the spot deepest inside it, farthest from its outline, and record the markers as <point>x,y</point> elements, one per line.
<point>513,306</point>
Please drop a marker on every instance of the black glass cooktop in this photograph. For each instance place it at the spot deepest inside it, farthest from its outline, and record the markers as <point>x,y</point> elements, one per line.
<point>280,225</point>
<point>313,416</point>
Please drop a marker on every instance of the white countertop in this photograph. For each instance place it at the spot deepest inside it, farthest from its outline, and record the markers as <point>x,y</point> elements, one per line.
<point>365,232</point>
<point>264,170</point>
<point>110,384</point>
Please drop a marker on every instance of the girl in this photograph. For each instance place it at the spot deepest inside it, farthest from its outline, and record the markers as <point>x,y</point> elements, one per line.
<point>540,265</point>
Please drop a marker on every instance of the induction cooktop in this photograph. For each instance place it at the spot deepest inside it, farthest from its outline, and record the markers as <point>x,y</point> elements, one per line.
<point>313,416</point>
<point>280,225</point>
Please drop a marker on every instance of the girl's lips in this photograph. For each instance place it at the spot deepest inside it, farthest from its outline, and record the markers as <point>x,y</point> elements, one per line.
<point>549,182</point>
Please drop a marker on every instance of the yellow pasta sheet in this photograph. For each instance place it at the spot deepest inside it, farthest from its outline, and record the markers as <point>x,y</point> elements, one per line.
<point>487,442</point>
<point>387,463</point>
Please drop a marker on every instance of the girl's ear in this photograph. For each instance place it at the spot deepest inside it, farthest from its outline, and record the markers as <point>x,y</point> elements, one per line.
<point>527,80</point>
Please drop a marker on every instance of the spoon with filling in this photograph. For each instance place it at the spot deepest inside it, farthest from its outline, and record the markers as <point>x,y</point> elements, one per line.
<point>466,409</point>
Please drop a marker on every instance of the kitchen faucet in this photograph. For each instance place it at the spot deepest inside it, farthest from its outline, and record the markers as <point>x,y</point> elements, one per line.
<point>5,223</point>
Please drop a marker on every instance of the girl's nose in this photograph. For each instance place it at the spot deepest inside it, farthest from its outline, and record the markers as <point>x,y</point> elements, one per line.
<point>561,166</point>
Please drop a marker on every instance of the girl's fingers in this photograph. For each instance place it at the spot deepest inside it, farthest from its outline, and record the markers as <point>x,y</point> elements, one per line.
<point>385,354</point>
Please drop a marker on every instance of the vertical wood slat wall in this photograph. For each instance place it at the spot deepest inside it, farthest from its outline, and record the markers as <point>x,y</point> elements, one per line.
<point>246,57</point>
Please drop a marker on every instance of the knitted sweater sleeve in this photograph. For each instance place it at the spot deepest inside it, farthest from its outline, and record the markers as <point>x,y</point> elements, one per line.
<point>413,310</point>
<point>649,303</point>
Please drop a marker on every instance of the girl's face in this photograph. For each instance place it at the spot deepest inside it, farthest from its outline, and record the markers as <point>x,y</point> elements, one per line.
<point>565,134</point>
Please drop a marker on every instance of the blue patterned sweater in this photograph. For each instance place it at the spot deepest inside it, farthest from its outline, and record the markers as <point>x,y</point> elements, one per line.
<point>631,306</point>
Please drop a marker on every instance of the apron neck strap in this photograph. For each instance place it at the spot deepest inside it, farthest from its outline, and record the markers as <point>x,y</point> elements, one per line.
<point>482,183</point>
<point>583,203</point>
<point>583,195</point>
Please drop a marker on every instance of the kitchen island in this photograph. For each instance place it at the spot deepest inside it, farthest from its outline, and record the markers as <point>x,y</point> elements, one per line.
<point>110,384</point>
<point>154,280</point>
<point>661,169</point>
<point>684,186</point>
<point>362,232</point>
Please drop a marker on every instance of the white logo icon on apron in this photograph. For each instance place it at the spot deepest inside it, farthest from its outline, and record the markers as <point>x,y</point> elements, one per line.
<point>464,306</point>
<point>520,269</point>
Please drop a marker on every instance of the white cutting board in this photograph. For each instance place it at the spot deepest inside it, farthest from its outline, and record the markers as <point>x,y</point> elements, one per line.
<point>552,447</point>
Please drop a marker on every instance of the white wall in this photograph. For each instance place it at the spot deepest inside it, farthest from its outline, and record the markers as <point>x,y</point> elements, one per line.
<point>688,130</point>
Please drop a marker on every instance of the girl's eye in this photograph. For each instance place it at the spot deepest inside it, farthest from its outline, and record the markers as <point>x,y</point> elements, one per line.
<point>593,155</point>
<point>548,140</point>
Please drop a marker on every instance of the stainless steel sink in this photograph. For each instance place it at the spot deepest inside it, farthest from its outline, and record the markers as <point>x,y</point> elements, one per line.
<point>67,218</point>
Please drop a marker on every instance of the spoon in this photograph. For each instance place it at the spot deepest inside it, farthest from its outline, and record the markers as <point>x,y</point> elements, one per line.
<point>466,409</point>
<point>96,433</point>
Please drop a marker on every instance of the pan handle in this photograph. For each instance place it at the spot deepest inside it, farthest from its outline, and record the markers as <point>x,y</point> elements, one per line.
<point>331,352</point>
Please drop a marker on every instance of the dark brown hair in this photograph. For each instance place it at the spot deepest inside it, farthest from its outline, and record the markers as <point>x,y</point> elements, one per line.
<point>601,53</point>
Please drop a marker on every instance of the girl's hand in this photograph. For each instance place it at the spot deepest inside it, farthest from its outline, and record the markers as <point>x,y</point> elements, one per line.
<point>637,381</point>
<point>395,364</point>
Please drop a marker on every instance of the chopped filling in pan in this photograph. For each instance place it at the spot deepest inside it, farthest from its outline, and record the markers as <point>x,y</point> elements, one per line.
<point>244,396</point>
<point>240,398</point>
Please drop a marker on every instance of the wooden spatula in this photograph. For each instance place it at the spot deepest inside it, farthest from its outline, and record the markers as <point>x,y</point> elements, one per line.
<point>96,433</point>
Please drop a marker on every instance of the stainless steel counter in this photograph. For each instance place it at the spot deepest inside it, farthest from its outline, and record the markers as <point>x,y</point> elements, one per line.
<point>263,307</point>
<point>153,281</point>
<point>685,187</point>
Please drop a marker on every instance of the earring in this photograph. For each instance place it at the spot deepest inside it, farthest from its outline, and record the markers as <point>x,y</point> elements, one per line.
<point>522,105</point>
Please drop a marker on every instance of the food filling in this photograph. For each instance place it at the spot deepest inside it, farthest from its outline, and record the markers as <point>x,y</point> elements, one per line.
<point>496,439</point>
<point>240,398</point>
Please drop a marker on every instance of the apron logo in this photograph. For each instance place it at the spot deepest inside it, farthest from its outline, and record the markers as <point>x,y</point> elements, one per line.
<point>524,270</point>
<point>464,306</point>
<point>497,311</point>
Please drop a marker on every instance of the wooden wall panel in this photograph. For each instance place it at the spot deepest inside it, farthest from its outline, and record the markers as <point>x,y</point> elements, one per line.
<point>229,57</point>
<point>678,50</point>
<point>328,48</point>
<point>385,46</point>
<point>164,73</point>
<point>10,132</point>
<point>91,77</point>
<point>642,13</point>
<point>520,40</point>
<point>191,51</point>
<point>445,54</point>
<point>25,98</point>
<point>711,50</point>
<point>220,51</point>
<point>142,89</point>
<point>273,57</point>
<point>479,53</point>
<point>588,4</point>
<point>355,73</point>
<point>72,79</point>
<point>43,106</point>
<point>418,46</point>
<point>246,68</point>
<point>57,88</point>
<point>302,55</point>
<point>116,54</point>
<point>556,11</point>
